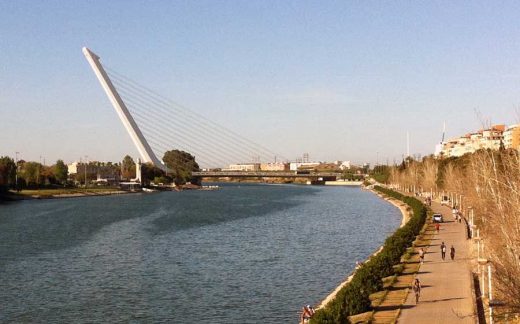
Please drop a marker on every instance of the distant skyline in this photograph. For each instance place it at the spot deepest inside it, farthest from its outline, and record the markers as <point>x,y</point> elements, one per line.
<point>339,80</point>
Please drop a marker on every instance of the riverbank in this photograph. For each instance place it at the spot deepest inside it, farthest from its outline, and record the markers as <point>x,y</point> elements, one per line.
<point>406,215</point>
<point>63,193</point>
<point>58,193</point>
<point>371,281</point>
<point>343,183</point>
<point>404,208</point>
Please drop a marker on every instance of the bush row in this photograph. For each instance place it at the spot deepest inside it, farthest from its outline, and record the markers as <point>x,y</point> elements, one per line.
<point>354,297</point>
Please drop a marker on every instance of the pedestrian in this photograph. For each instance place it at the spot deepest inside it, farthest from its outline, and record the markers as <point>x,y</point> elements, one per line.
<point>443,250</point>
<point>421,255</point>
<point>437,227</point>
<point>416,289</point>
<point>452,253</point>
<point>306,314</point>
<point>460,218</point>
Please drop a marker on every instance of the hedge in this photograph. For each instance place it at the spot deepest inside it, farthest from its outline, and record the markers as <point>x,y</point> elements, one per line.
<point>354,297</point>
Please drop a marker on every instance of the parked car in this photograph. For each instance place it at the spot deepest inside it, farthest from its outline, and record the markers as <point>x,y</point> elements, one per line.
<point>437,218</point>
<point>445,200</point>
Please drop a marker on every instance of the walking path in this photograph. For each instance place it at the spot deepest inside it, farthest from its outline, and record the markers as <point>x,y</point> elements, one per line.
<point>446,294</point>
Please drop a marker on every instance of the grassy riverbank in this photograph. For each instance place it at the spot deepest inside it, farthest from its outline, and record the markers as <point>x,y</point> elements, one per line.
<point>373,276</point>
<point>62,193</point>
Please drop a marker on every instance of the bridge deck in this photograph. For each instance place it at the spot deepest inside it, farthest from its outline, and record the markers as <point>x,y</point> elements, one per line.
<point>264,174</point>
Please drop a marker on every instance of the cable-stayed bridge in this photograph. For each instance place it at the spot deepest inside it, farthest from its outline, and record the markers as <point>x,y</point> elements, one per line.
<point>157,124</point>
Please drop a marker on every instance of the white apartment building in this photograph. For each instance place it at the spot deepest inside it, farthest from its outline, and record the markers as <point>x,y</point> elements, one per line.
<point>343,165</point>
<point>294,166</point>
<point>243,167</point>
<point>490,138</point>
<point>73,167</point>
<point>512,137</point>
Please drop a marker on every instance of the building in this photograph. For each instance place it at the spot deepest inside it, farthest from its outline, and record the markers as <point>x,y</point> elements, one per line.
<point>243,167</point>
<point>79,168</point>
<point>274,167</point>
<point>294,166</point>
<point>98,172</point>
<point>490,138</point>
<point>493,137</point>
<point>73,167</point>
<point>343,165</point>
<point>512,137</point>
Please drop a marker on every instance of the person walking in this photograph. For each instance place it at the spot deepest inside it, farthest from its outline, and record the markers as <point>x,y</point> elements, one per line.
<point>416,289</point>
<point>452,253</point>
<point>437,227</point>
<point>421,255</point>
<point>306,314</point>
<point>443,251</point>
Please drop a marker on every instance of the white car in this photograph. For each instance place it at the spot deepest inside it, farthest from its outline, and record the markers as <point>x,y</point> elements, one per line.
<point>437,218</point>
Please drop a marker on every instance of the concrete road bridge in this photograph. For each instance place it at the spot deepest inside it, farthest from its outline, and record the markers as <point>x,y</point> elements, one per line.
<point>326,176</point>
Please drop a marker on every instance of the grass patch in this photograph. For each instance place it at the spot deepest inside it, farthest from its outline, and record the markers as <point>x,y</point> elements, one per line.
<point>64,191</point>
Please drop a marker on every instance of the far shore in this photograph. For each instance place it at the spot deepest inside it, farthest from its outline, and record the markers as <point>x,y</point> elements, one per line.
<point>61,193</point>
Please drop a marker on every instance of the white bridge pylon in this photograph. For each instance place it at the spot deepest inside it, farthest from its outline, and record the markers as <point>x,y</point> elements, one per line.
<point>128,121</point>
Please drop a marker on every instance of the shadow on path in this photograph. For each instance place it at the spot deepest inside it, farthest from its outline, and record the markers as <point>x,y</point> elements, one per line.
<point>440,300</point>
<point>393,307</point>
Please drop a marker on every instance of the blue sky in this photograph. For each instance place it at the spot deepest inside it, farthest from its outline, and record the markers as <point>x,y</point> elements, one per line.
<point>337,79</point>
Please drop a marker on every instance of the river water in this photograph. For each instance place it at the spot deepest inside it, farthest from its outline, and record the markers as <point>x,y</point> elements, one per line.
<point>245,253</point>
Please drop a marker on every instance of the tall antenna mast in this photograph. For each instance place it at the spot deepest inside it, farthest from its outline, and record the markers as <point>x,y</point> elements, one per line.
<point>133,130</point>
<point>443,132</point>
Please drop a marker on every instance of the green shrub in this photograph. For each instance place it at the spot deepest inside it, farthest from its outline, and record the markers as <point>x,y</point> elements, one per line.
<point>357,297</point>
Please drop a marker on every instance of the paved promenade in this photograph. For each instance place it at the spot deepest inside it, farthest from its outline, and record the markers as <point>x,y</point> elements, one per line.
<point>446,295</point>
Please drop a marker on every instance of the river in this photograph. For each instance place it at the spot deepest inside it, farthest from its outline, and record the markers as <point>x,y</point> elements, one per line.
<point>246,253</point>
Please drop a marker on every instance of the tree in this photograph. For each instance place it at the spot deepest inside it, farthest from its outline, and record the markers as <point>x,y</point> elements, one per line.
<point>381,173</point>
<point>61,171</point>
<point>31,173</point>
<point>182,164</point>
<point>149,172</point>
<point>47,175</point>
<point>162,180</point>
<point>7,172</point>
<point>128,168</point>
